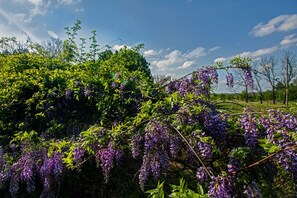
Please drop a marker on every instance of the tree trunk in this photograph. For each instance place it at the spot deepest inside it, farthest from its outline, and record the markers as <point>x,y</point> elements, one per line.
<point>246,94</point>
<point>287,82</point>
<point>273,95</point>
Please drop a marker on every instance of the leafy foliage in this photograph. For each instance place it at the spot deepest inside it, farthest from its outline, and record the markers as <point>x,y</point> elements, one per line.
<point>91,122</point>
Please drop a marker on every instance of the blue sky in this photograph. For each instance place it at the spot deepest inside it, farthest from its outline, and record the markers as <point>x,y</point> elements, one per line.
<point>179,35</point>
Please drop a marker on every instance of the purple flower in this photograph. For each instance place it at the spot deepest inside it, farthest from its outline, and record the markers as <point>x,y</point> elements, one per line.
<point>215,125</point>
<point>221,187</point>
<point>22,170</point>
<point>252,190</point>
<point>14,185</point>
<point>135,143</point>
<point>69,94</point>
<point>202,175</point>
<point>156,149</point>
<point>205,150</point>
<point>87,92</point>
<point>208,74</point>
<point>249,125</point>
<point>248,77</point>
<point>144,170</point>
<point>114,84</point>
<point>52,166</point>
<point>155,166</point>
<point>230,80</point>
<point>105,158</point>
<point>78,154</point>
<point>233,165</point>
<point>174,145</point>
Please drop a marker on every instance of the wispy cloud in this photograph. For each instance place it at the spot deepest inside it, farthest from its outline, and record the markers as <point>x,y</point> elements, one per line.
<point>280,23</point>
<point>18,16</point>
<point>288,40</point>
<point>173,57</point>
<point>195,53</point>
<point>258,53</point>
<point>220,59</point>
<point>33,8</point>
<point>186,64</point>
<point>253,54</point>
<point>214,48</point>
<point>69,2</point>
<point>150,53</point>
<point>18,25</point>
<point>176,59</point>
<point>119,47</point>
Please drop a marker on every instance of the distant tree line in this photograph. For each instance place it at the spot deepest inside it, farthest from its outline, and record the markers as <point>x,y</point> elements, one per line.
<point>280,74</point>
<point>279,93</point>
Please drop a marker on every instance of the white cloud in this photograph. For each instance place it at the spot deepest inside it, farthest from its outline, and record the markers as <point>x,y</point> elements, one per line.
<point>118,47</point>
<point>36,2</point>
<point>257,53</point>
<point>14,25</point>
<point>52,34</point>
<point>220,59</point>
<point>178,60</point>
<point>170,59</point>
<point>34,8</point>
<point>68,2</point>
<point>150,52</point>
<point>214,48</point>
<point>196,53</point>
<point>253,54</point>
<point>186,64</point>
<point>20,17</point>
<point>288,40</point>
<point>280,23</point>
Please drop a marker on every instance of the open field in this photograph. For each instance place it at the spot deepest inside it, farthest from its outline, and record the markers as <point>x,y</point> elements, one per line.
<point>238,106</point>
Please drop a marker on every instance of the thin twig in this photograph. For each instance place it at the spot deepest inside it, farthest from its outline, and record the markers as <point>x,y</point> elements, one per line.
<point>264,159</point>
<point>199,159</point>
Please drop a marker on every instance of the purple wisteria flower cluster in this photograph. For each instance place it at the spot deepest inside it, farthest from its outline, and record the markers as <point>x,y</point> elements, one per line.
<point>136,143</point>
<point>174,146</point>
<point>33,165</point>
<point>156,150</point>
<point>22,170</point>
<point>248,123</point>
<point>199,83</point>
<point>78,154</point>
<point>208,74</point>
<point>69,94</point>
<point>252,190</point>
<point>87,91</point>
<point>230,80</point>
<point>233,165</point>
<point>280,128</point>
<point>202,175</point>
<point>204,149</point>
<point>221,187</point>
<point>248,78</point>
<point>106,158</point>
<point>215,125</point>
<point>51,170</point>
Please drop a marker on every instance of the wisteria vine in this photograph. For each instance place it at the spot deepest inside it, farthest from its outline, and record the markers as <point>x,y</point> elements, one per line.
<point>176,126</point>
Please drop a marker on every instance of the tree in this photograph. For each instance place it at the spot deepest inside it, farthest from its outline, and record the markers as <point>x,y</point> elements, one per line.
<point>268,65</point>
<point>289,72</point>
<point>242,83</point>
<point>257,77</point>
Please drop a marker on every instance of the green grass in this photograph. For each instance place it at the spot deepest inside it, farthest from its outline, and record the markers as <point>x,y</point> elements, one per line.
<point>232,107</point>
